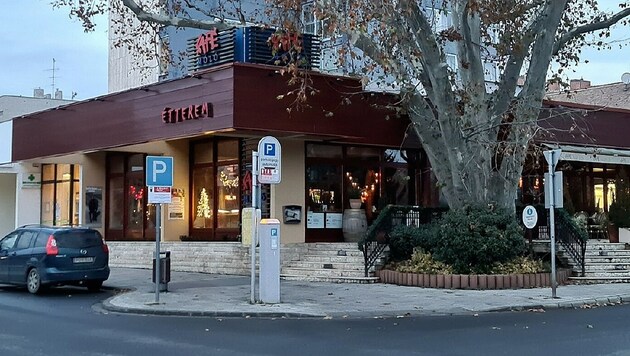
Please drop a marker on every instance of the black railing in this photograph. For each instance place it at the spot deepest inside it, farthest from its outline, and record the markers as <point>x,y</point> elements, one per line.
<point>571,237</point>
<point>376,238</point>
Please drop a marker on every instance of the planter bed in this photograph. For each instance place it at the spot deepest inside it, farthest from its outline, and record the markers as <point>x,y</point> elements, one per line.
<point>472,281</point>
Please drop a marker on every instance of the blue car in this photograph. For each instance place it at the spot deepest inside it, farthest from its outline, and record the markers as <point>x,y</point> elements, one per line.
<point>38,256</point>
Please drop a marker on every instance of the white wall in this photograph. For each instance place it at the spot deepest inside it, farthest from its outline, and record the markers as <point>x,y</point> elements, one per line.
<point>7,202</point>
<point>28,200</point>
<point>6,141</point>
<point>291,190</point>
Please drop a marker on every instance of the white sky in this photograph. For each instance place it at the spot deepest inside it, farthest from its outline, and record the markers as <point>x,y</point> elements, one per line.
<point>32,34</point>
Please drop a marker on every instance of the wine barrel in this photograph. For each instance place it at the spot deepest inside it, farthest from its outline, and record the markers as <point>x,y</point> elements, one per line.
<point>354,224</point>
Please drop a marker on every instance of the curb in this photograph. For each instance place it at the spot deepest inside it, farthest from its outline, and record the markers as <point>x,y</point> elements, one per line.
<point>107,305</point>
<point>567,305</point>
<point>560,304</point>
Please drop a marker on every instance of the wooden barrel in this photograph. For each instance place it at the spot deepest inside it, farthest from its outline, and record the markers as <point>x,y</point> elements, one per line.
<point>354,224</point>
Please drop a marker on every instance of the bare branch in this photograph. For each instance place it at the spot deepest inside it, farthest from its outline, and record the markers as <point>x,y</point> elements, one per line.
<point>594,26</point>
<point>218,23</point>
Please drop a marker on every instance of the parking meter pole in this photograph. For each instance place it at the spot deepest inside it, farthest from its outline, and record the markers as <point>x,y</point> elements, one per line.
<point>255,206</point>
<point>158,228</point>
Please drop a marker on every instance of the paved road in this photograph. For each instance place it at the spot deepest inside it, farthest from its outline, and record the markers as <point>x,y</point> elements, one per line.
<point>64,322</point>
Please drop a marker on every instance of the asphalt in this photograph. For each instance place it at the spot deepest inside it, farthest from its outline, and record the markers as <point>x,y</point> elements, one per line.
<point>200,294</point>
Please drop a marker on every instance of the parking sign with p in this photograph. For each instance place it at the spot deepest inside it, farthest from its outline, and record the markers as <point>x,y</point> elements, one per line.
<point>159,171</point>
<point>269,160</point>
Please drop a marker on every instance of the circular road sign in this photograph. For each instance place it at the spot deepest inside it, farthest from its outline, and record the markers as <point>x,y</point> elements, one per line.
<point>530,217</point>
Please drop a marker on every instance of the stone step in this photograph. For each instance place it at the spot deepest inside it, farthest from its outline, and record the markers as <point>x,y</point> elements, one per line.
<point>621,253</point>
<point>306,272</point>
<point>344,266</point>
<point>605,266</point>
<point>607,259</point>
<point>361,280</point>
<point>616,274</point>
<point>348,254</point>
<point>332,246</point>
<point>599,280</point>
<point>606,246</point>
<point>333,259</point>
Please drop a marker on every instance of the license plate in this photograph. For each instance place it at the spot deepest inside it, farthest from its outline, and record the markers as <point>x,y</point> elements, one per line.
<point>83,259</point>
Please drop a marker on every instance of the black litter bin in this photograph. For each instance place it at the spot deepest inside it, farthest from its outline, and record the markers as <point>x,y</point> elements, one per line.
<point>165,270</point>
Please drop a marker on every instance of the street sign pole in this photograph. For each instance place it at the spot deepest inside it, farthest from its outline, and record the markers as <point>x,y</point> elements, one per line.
<point>158,265</point>
<point>255,230</point>
<point>552,157</point>
<point>159,181</point>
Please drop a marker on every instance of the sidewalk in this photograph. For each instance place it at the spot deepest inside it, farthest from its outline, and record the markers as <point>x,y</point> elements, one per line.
<point>198,294</point>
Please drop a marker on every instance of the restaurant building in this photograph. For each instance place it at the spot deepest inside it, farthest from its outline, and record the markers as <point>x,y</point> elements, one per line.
<point>92,156</point>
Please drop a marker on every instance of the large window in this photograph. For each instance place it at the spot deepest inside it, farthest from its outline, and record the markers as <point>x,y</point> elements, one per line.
<point>129,217</point>
<point>60,194</point>
<point>215,190</point>
<point>382,176</point>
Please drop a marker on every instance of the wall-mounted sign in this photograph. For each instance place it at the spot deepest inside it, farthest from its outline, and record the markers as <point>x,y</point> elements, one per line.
<point>192,112</point>
<point>206,48</point>
<point>31,180</point>
<point>207,42</point>
<point>252,45</point>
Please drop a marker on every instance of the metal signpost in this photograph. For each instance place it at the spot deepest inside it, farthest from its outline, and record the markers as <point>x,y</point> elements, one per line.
<point>159,180</point>
<point>266,168</point>
<point>552,157</point>
<point>255,189</point>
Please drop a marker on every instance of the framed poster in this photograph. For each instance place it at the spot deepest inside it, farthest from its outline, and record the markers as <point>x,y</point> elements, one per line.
<point>176,207</point>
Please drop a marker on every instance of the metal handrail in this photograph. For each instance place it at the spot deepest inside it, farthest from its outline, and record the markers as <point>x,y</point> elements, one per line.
<point>376,238</point>
<point>572,239</point>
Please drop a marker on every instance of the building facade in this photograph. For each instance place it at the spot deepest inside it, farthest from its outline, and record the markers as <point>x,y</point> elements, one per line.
<point>19,183</point>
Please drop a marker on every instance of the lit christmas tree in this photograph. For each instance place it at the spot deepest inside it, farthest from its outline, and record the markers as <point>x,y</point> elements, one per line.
<point>203,207</point>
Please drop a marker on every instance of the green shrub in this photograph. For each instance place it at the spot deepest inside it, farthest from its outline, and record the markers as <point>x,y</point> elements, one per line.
<point>423,262</point>
<point>401,242</point>
<point>473,239</point>
<point>403,239</point>
<point>520,265</point>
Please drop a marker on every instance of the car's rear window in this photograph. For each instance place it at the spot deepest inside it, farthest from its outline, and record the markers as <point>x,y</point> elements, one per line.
<point>78,239</point>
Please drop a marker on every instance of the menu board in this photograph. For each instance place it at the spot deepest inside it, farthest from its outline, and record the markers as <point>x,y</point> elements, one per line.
<point>334,220</point>
<point>315,220</point>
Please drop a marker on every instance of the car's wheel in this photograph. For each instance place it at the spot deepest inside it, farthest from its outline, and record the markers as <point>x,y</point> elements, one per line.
<point>33,281</point>
<point>94,286</point>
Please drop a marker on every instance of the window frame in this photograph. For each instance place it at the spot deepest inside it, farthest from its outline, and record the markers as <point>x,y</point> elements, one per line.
<point>55,182</point>
<point>214,233</point>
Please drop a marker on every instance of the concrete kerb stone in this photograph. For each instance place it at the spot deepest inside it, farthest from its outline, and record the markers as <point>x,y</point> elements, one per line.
<point>108,306</point>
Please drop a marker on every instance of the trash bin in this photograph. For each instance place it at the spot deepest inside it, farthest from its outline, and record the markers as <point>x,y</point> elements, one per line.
<point>165,270</point>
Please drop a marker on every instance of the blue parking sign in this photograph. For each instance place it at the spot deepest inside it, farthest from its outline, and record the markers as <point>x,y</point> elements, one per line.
<point>159,171</point>
<point>270,149</point>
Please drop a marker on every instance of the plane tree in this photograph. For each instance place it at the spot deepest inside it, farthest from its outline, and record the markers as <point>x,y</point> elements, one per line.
<point>470,74</point>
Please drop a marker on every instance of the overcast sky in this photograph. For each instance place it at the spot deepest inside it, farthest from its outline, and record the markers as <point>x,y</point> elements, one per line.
<point>32,34</point>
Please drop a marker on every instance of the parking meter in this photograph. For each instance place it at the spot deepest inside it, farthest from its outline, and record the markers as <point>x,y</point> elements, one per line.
<point>269,239</point>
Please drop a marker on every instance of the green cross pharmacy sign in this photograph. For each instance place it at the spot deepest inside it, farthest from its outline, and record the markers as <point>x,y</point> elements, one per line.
<point>31,180</point>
